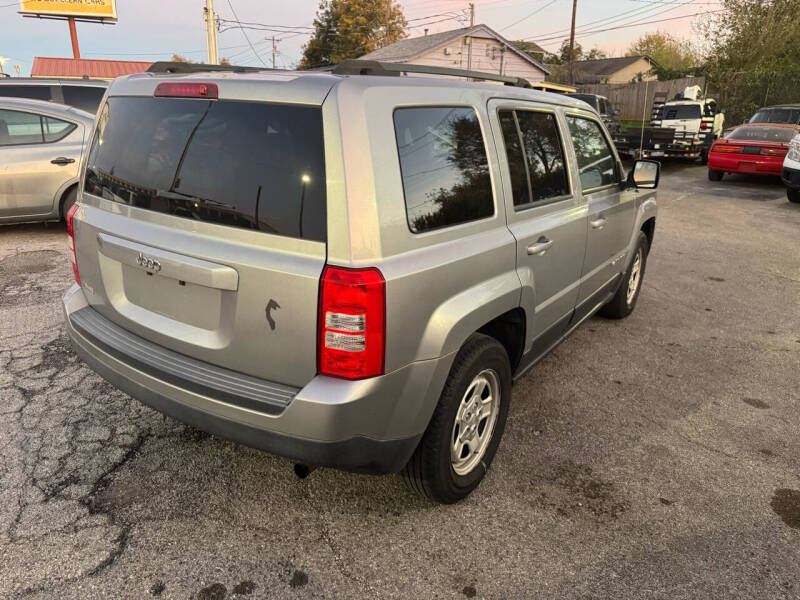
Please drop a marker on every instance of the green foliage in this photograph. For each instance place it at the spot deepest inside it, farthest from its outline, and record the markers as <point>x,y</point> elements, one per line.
<point>754,54</point>
<point>530,48</point>
<point>562,56</point>
<point>351,28</point>
<point>674,57</point>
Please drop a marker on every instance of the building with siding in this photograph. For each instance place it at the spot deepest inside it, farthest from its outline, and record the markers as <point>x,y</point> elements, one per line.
<point>625,69</point>
<point>478,48</point>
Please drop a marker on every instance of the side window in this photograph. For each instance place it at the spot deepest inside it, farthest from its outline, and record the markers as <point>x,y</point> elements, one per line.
<point>596,163</point>
<point>55,129</point>
<point>520,185</point>
<point>539,157</point>
<point>19,128</point>
<point>34,92</point>
<point>443,165</point>
<point>84,97</point>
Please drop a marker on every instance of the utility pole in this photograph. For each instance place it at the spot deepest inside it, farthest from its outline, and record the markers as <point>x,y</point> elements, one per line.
<point>212,56</point>
<point>471,14</point>
<point>274,51</point>
<point>572,43</point>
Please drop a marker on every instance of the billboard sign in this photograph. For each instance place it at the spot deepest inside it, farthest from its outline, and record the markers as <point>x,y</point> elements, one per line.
<point>85,9</point>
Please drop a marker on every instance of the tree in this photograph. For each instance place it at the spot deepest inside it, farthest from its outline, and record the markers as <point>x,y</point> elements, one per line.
<point>351,28</point>
<point>530,48</point>
<point>752,54</point>
<point>183,59</point>
<point>674,57</point>
<point>562,56</point>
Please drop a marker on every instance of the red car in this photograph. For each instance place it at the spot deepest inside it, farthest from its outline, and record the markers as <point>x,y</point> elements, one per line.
<point>754,148</point>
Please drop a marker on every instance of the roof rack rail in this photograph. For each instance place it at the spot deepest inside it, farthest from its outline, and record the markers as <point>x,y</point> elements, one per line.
<point>354,66</point>
<point>182,67</point>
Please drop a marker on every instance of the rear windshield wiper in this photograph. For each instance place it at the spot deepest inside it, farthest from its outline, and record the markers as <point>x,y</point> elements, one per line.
<point>170,195</point>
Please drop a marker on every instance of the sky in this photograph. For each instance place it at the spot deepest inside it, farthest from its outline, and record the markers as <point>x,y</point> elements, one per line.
<point>154,29</point>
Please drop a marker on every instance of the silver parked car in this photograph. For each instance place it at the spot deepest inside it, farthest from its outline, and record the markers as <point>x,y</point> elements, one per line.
<point>351,268</point>
<point>41,145</point>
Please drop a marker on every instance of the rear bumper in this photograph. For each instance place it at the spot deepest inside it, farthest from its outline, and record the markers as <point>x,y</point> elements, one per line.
<point>791,178</point>
<point>743,163</point>
<point>369,426</point>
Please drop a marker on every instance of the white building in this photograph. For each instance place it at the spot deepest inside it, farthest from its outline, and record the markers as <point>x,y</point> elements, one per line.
<point>477,48</point>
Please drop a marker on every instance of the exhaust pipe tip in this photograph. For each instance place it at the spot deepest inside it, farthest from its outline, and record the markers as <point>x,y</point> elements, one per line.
<point>303,470</point>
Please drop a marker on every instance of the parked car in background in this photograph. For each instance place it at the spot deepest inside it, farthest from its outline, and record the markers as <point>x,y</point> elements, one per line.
<point>756,149</point>
<point>41,145</point>
<point>788,114</point>
<point>603,107</point>
<point>344,268</point>
<point>791,170</point>
<point>84,94</point>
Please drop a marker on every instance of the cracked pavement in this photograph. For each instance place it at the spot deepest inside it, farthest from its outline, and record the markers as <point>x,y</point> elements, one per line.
<point>653,457</point>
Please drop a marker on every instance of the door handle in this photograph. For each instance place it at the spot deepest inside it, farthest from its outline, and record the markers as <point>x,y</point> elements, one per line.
<point>62,160</point>
<point>541,246</point>
<point>598,223</point>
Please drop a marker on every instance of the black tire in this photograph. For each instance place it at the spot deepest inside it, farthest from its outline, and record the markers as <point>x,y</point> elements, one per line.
<point>793,195</point>
<point>68,201</point>
<point>430,471</point>
<point>715,175</point>
<point>619,307</point>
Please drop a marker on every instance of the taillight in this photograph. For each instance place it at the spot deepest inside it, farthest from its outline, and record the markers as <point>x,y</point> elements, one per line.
<point>773,151</point>
<point>71,235</point>
<point>725,149</point>
<point>703,126</point>
<point>181,89</point>
<point>352,322</point>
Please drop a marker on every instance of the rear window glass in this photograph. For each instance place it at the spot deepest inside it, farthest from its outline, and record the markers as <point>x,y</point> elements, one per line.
<point>777,115</point>
<point>34,92</point>
<point>241,164</point>
<point>763,134</point>
<point>83,97</point>
<point>589,99</point>
<point>444,166</point>
<point>680,111</point>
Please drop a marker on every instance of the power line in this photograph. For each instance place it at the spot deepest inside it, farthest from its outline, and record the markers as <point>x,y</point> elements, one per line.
<point>526,17</point>
<point>245,35</point>
<point>636,24</point>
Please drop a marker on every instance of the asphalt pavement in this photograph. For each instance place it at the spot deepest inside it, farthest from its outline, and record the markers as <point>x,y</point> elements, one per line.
<point>654,457</point>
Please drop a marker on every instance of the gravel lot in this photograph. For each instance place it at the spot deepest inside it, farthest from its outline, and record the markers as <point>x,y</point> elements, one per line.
<point>654,457</point>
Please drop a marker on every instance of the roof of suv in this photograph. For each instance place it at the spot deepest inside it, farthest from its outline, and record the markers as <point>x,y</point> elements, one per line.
<point>313,86</point>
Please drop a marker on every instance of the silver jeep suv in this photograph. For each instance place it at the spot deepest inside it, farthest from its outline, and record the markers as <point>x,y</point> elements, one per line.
<point>350,268</point>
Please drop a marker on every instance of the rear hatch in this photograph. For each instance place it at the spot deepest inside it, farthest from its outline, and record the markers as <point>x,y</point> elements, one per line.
<point>204,224</point>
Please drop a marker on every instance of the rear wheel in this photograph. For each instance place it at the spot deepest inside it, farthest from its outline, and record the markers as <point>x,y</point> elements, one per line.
<point>624,301</point>
<point>793,195</point>
<point>68,201</point>
<point>715,175</point>
<point>462,438</point>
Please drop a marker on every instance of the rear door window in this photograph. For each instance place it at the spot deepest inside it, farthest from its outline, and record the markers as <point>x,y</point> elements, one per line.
<point>533,145</point>
<point>34,92</point>
<point>444,166</point>
<point>241,164</point>
<point>83,97</point>
<point>17,127</point>
<point>596,163</point>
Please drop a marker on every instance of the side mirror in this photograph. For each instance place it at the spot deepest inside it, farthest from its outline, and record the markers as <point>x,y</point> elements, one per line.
<point>645,174</point>
<point>617,112</point>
